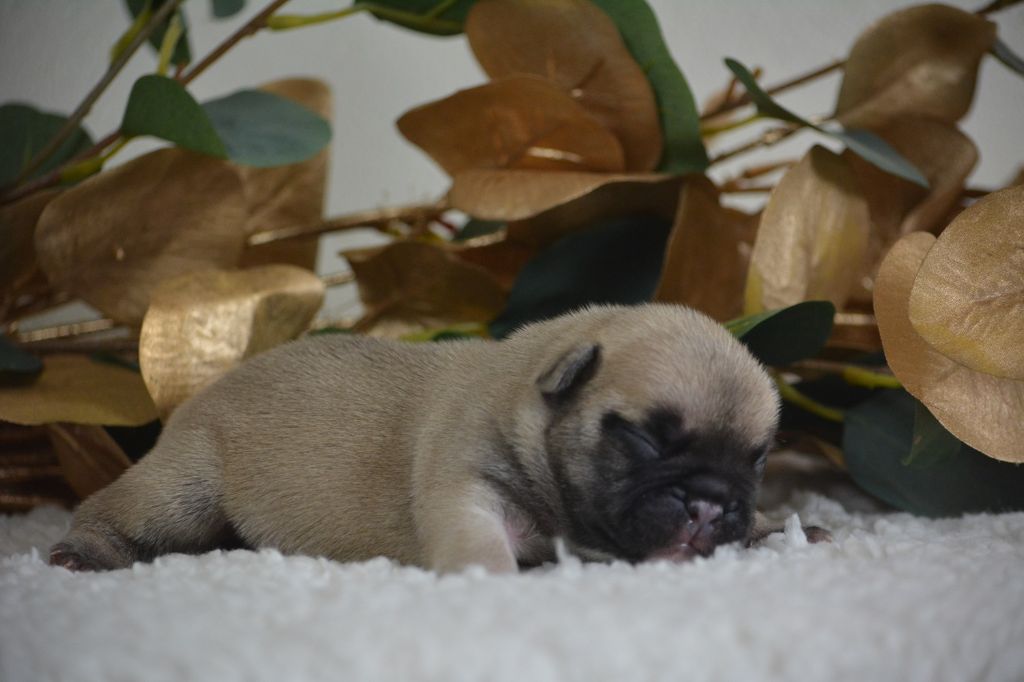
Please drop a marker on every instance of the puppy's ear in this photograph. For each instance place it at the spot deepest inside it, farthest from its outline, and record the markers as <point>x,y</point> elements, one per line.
<point>570,372</point>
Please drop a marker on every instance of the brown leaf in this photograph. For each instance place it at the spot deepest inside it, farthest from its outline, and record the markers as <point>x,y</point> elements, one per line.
<point>919,60</point>
<point>707,254</point>
<point>202,324</point>
<point>287,196</point>
<point>418,281</point>
<point>516,122</point>
<point>75,389</point>
<point>982,410</point>
<point>17,250</point>
<point>813,236</point>
<point>88,456</point>
<point>968,298</point>
<point>575,45</point>
<point>942,153</point>
<point>114,237</point>
<point>502,258</point>
<point>542,206</point>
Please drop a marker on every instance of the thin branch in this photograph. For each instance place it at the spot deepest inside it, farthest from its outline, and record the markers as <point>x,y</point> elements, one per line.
<point>252,26</point>
<point>63,331</point>
<point>767,139</point>
<point>338,278</point>
<point>85,106</point>
<point>744,99</point>
<point>373,218</point>
<point>855,375</point>
<point>996,6</point>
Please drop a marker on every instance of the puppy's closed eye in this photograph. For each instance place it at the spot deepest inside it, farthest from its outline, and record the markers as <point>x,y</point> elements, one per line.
<point>639,443</point>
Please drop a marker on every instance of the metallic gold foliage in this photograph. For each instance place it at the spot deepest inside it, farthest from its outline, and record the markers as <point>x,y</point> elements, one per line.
<point>516,122</point>
<point>813,236</point>
<point>968,298</point>
<point>79,390</point>
<point>980,409</point>
<point>201,324</point>
<point>919,60</point>
<point>576,46</point>
<point>111,239</point>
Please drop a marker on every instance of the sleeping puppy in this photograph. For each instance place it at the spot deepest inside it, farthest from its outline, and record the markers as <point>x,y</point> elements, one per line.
<point>630,433</point>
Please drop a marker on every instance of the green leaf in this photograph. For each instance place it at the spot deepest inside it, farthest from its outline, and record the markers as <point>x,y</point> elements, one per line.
<point>264,130</point>
<point>613,262</point>
<point>222,9</point>
<point>783,336</point>
<point>161,107</point>
<point>422,15</point>
<point>932,443</point>
<point>16,365</point>
<point>868,146</point>
<point>1011,59</point>
<point>24,130</point>
<point>182,53</point>
<point>879,434</point>
<point>478,228</point>
<point>680,121</point>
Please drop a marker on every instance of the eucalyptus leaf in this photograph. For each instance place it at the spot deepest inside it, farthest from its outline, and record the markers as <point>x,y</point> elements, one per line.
<point>680,122</point>
<point>932,443</point>
<point>877,437</point>
<point>24,131</point>
<point>614,262</point>
<point>422,15</point>
<point>16,365</point>
<point>1011,59</point>
<point>783,336</point>
<point>478,228</point>
<point>182,53</point>
<point>222,9</point>
<point>264,130</point>
<point>161,107</point>
<point>867,145</point>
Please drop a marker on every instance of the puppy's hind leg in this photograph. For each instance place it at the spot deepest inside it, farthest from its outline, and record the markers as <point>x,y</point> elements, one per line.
<point>169,502</point>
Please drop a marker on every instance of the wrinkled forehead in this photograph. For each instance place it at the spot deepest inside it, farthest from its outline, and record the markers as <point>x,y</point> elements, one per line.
<point>707,390</point>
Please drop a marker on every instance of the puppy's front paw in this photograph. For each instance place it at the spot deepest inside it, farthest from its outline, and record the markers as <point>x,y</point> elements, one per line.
<point>68,557</point>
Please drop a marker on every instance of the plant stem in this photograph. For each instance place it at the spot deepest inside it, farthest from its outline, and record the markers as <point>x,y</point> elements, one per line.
<point>64,331</point>
<point>85,106</point>
<point>995,6</point>
<point>767,139</point>
<point>791,395</point>
<point>252,26</point>
<point>855,375</point>
<point>171,37</point>
<point>374,218</point>
<point>744,99</point>
<point>284,22</point>
<point>708,131</point>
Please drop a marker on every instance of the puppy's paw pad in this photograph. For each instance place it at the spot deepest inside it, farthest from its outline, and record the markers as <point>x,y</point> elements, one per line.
<point>817,534</point>
<point>64,555</point>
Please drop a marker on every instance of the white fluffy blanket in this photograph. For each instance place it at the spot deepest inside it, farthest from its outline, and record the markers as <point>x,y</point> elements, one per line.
<point>893,598</point>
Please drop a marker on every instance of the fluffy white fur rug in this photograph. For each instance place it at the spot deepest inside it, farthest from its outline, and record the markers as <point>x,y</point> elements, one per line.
<point>893,598</point>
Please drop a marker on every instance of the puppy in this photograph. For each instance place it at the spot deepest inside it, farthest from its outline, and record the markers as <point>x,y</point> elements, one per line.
<point>628,432</point>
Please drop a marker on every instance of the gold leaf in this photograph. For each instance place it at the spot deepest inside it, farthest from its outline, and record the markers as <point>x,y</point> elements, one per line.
<point>202,324</point>
<point>516,122</point>
<point>968,298</point>
<point>575,45</point>
<point>287,196</point>
<point>707,254</point>
<point>942,153</point>
<point>502,259</point>
<point>543,206</point>
<point>982,410</point>
<point>89,458</point>
<point>75,389</point>
<point>919,60</point>
<point>813,236</point>
<point>419,281</point>
<point>114,237</point>
<point>17,251</point>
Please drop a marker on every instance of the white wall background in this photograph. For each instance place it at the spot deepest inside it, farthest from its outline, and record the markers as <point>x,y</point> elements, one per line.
<point>52,51</point>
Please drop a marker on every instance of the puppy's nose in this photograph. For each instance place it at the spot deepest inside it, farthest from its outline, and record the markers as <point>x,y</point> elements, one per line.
<point>703,513</point>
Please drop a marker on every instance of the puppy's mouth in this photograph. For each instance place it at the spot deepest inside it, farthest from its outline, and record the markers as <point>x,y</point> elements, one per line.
<point>696,537</point>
